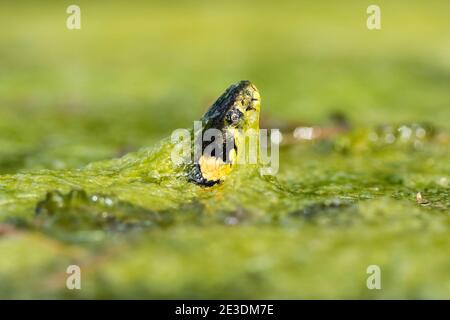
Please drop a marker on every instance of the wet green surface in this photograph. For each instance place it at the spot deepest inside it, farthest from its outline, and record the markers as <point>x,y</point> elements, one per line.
<point>75,106</point>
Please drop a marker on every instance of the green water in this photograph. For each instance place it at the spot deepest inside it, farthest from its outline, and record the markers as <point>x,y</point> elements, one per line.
<point>86,176</point>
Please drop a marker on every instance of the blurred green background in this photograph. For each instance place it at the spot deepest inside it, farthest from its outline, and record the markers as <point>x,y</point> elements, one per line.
<point>138,70</point>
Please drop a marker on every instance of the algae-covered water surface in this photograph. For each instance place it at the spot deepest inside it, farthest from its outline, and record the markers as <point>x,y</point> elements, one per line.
<point>86,176</point>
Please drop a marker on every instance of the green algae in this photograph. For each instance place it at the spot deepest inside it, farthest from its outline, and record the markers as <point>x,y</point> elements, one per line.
<point>156,235</point>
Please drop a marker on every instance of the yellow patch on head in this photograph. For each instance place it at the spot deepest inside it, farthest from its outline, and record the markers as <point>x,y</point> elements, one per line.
<point>214,169</point>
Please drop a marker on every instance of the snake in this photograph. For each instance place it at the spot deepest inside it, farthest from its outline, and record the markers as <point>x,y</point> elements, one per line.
<point>233,114</point>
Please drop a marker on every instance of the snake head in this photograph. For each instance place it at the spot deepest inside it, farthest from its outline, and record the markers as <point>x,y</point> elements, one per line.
<point>234,112</point>
<point>238,107</point>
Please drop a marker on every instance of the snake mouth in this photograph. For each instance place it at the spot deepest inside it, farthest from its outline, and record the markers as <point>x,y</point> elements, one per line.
<point>255,100</point>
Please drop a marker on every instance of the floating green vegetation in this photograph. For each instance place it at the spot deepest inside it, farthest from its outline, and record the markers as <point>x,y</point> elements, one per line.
<point>140,229</point>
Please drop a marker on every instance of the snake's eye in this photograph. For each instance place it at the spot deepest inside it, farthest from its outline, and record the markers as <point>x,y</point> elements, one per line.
<point>233,116</point>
